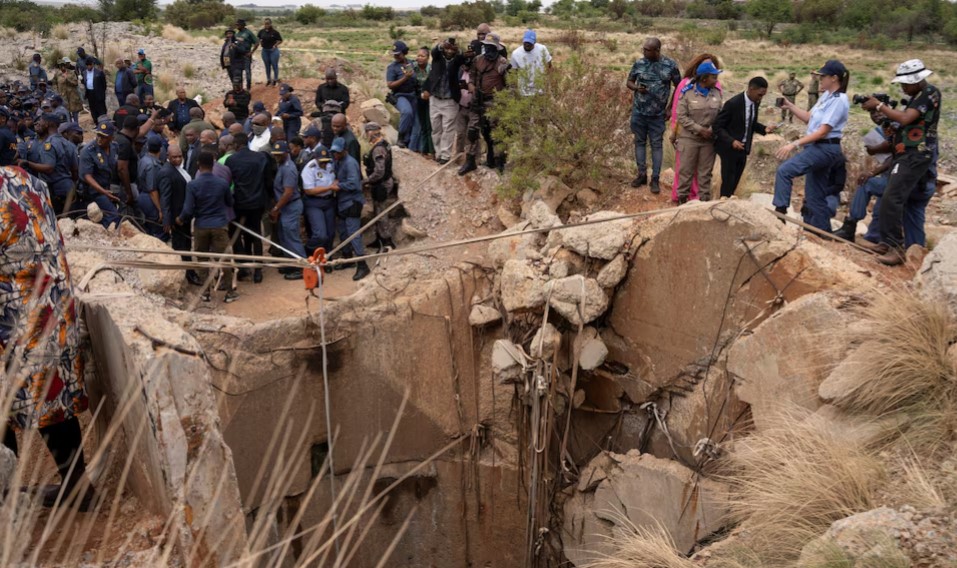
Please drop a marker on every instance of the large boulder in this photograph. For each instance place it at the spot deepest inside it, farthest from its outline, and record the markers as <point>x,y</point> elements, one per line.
<point>603,240</point>
<point>158,281</point>
<point>783,363</point>
<point>373,110</point>
<point>577,299</point>
<point>938,274</point>
<point>522,286</point>
<point>616,492</point>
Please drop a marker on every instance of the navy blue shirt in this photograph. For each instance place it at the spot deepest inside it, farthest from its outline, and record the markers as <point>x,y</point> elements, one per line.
<point>99,163</point>
<point>207,199</point>
<point>286,176</point>
<point>63,154</point>
<point>350,182</point>
<point>147,175</point>
<point>396,71</point>
<point>8,147</point>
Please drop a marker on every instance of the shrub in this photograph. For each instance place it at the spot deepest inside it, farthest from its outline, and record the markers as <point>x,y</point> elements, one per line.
<point>188,70</point>
<point>377,13</point>
<point>714,36</point>
<point>61,31</point>
<point>309,14</point>
<point>416,19</point>
<point>467,15</point>
<point>396,33</point>
<point>197,15</point>
<point>431,11</point>
<point>576,129</point>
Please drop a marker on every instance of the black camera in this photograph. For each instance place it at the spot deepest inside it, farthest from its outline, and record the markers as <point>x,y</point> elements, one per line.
<point>882,97</point>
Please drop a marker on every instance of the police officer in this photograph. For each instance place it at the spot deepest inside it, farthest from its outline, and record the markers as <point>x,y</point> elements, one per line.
<point>790,88</point>
<point>697,110</point>
<point>913,173</point>
<point>380,183</point>
<point>96,167</point>
<point>8,141</point>
<point>288,208</point>
<point>55,161</point>
<point>348,188</point>
<point>813,91</point>
<point>290,110</point>
<point>147,183</point>
<point>318,178</point>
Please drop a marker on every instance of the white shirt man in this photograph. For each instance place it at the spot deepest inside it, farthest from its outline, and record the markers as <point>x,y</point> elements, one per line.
<point>532,58</point>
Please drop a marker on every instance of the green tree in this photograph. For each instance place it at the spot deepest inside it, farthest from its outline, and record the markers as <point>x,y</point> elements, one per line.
<point>770,13</point>
<point>513,7</point>
<point>617,9</point>
<point>197,14</point>
<point>309,14</point>
<point>466,15</point>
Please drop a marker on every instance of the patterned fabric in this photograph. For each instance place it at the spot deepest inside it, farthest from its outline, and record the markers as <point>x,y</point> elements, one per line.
<point>39,332</point>
<point>658,76</point>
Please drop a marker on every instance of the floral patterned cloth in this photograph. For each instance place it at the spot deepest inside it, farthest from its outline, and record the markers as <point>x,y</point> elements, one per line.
<point>39,333</point>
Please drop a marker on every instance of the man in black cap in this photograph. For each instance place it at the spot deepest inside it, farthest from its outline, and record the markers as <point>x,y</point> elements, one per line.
<point>237,101</point>
<point>332,90</point>
<point>349,201</point>
<point>37,72</point>
<point>486,78</point>
<point>147,182</point>
<point>8,141</point>
<point>96,166</point>
<point>54,161</point>
<point>290,110</point>
<point>95,83</point>
<point>380,183</point>
<point>400,78</point>
<point>288,209</point>
<point>250,43</point>
<point>310,139</point>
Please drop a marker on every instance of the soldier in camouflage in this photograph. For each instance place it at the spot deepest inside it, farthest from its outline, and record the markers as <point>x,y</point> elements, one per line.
<point>651,79</point>
<point>789,88</point>
<point>813,91</point>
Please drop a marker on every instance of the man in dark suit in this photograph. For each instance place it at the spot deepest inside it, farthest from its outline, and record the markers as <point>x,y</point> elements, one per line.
<point>95,83</point>
<point>734,132</point>
<point>172,180</point>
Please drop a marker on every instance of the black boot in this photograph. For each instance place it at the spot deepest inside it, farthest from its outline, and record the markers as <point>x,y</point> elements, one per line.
<point>640,180</point>
<point>847,230</point>
<point>362,270</point>
<point>258,275</point>
<point>782,211</point>
<point>468,166</point>
<point>193,278</point>
<point>654,186</point>
<point>490,157</point>
<point>385,245</point>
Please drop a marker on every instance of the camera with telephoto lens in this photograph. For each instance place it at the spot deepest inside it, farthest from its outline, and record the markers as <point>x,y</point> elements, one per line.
<point>882,97</point>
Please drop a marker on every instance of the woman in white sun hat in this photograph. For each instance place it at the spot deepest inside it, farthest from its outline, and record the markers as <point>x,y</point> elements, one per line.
<point>914,170</point>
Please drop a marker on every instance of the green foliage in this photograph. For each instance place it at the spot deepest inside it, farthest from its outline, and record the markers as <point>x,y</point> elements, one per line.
<point>377,13</point>
<point>769,13</point>
<point>516,7</point>
<point>396,33</point>
<point>572,130</point>
<point>127,10</point>
<point>467,15</point>
<point>430,11</point>
<point>198,14</point>
<point>26,16</point>
<point>713,10</point>
<point>309,14</point>
<point>416,19</point>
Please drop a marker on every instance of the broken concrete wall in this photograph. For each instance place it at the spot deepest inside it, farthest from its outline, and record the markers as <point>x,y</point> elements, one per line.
<point>270,375</point>
<point>154,386</point>
<point>616,492</point>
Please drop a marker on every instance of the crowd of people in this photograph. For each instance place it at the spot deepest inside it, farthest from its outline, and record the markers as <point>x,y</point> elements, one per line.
<point>706,128</point>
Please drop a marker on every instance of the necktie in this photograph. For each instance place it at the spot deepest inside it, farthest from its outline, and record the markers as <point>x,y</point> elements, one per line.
<point>747,124</point>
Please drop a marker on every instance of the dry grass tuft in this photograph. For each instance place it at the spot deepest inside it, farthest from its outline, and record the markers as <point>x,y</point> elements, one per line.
<point>61,31</point>
<point>176,34</point>
<point>902,367</point>
<point>642,547</point>
<point>791,482</point>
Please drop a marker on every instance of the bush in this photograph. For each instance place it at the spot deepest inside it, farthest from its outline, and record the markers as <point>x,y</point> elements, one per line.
<point>197,15</point>
<point>714,36</point>
<point>431,11</point>
<point>396,33</point>
<point>467,15</point>
<point>26,16</point>
<point>377,13</point>
<point>574,130</point>
<point>309,14</point>
<point>416,19</point>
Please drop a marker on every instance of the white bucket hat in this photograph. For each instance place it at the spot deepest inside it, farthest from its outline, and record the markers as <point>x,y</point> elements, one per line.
<point>910,72</point>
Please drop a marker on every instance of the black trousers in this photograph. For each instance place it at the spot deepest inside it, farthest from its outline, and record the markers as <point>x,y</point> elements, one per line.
<point>732,167</point>
<point>64,442</point>
<point>252,220</point>
<point>908,171</point>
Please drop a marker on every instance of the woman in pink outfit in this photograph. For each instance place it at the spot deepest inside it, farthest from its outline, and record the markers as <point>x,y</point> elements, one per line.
<point>688,76</point>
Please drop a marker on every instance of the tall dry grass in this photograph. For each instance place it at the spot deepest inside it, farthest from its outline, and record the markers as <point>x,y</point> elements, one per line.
<point>641,547</point>
<point>174,33</point>
<point>790,482</point>
<point>902,368</point>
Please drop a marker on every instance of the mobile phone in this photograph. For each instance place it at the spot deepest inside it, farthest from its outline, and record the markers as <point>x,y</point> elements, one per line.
<point>779,102</point>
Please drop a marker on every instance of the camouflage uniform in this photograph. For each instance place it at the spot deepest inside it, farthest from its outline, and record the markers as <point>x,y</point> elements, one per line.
<point>648,109</point>
<point>789,88</point>
<point>813,90</point>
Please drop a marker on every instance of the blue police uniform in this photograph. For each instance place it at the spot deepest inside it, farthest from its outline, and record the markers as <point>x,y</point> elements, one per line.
<point>164,150</point>
<point>288,176</point>
<point>147,182</point>
<point>8,147</point>
<point>350,200</point>
<point>320,210</point>
<point>292,124</point>
<point>101,164</point>
<point>406,102</point>
<point>815,161</point>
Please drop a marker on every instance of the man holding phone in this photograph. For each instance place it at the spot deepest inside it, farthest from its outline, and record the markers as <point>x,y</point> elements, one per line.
<point>651,80</point>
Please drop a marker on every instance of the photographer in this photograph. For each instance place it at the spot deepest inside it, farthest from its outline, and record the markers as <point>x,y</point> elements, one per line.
<point>877,143</point>
<point>821,153</point>
<point>910,184</point>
